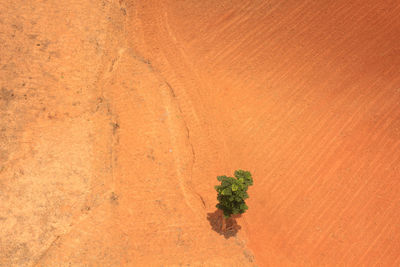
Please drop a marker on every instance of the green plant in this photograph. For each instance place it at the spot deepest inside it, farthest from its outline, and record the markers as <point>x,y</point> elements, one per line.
<point>232,193</point>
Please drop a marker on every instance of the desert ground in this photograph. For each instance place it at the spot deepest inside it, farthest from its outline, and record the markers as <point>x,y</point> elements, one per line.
<point>116,116</point>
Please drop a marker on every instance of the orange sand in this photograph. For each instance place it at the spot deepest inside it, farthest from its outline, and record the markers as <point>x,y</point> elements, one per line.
<point>117,116</point>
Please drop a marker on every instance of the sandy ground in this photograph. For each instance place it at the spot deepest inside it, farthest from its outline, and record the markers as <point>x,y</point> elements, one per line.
<point>117,116</point>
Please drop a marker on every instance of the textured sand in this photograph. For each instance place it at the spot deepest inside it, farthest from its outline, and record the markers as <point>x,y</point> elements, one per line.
<point>117,116</point>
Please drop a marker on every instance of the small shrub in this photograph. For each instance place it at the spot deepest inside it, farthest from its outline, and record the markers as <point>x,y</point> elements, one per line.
<point>232,193</point>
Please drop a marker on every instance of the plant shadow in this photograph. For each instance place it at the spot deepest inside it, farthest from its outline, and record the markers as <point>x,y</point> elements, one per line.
<point>215,219</point>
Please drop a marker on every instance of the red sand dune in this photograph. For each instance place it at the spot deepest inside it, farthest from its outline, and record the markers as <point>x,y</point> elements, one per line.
<point>117,116</point>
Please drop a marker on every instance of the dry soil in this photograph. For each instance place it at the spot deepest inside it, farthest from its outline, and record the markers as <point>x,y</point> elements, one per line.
<point>116,116</point>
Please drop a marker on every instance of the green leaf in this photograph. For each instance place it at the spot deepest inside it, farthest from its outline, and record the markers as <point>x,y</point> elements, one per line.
<point>220,178</point>
<point>226,192</point>
<point>225,183</point>
<point>235,187</point>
